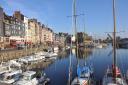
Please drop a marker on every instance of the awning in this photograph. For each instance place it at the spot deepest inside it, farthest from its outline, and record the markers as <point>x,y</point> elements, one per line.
<point>19,42</point>
<point>28,42</point>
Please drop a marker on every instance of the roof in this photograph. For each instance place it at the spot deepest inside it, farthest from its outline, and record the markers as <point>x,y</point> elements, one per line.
<point>29,73</point>
<point>12,73</point>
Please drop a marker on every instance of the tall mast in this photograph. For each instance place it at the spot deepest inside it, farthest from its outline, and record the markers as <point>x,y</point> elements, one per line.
<point>75,21</point>
<point>74,35</point>
<point>84,30</point>
<point>114,39</point>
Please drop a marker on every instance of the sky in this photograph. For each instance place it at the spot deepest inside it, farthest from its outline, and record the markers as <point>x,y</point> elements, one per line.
<point>53,13</point>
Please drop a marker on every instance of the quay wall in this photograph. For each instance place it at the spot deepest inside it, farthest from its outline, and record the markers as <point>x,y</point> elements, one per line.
<point>14,54</point>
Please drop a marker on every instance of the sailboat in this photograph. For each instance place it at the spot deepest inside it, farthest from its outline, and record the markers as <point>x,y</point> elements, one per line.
<point>83,73</point>
<point>83,76</point>
<point>10,76</point>
<point>113,75</point>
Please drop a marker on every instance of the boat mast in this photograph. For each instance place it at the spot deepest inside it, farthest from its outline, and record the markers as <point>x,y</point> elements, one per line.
<point>75,27</point>
<point>75,30</point>
<point>84,30</point>
<point>74,35</point>
<point>114,40</point>
<point>75,22</point>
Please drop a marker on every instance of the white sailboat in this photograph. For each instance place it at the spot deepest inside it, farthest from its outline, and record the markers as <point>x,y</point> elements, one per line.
<point>15,63</point>
<point>110,80</point>
<point>83,73</point>
<point>10,76</point>
<point>83,76</point>
<point>4,67</point>
<point>33,78</point>
<point>28,79</point>
<point>23,60</point>
<point>113,75</point>
<point>51,55</point>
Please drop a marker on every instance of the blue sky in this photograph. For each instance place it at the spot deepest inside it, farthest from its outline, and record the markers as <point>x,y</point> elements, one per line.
<point>98,14</point>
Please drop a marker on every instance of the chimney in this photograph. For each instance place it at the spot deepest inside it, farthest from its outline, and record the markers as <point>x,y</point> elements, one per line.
<point>1,13</point>
<point>18,15</point>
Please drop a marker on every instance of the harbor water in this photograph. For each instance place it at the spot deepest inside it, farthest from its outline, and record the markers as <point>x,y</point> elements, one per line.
<point>100,59</point>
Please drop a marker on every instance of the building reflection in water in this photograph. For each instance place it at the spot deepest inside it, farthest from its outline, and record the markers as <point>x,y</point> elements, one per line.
<point>82,52</point>
<point>63,54</point>
<point>42,65</point>
<point>39,65</point>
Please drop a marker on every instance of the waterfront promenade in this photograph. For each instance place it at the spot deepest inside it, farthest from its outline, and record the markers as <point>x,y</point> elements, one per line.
<point>14,54</point>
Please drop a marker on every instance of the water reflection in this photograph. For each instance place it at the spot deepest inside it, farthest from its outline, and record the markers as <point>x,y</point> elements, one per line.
<point>63,54</point>
<point>82,52</point>
<point>58,70</point>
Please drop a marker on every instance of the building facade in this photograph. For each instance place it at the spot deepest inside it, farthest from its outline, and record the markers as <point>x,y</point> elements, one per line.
<point>27,34</point>
<point>61,38</point>
<point>5,30</point>
<point>40,32</point>
<point>47,36</point>
<point>19,29</point>
<point>12,30</point>
<point>1,21</point>
<point>34,31</point>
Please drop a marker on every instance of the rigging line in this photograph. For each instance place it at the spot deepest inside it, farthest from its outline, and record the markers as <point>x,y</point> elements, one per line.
<point>84,37</point>
<point>80,53</point>
<point>85,58</point>
<point>126,58</point>
<point>77,56</point>
<point>123,65</point>
<point>120,57</point>
<point>86,53</point>
<point>70,68</point>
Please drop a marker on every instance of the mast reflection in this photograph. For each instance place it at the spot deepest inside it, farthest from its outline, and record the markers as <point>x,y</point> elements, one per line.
<point>82,52</point>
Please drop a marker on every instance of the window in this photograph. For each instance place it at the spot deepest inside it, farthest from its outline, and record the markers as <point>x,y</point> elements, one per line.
<point>8,78</point>
<point>44,38</point>
<point>7,39</point>
<point>33,76</point>
<point>26,77</point>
